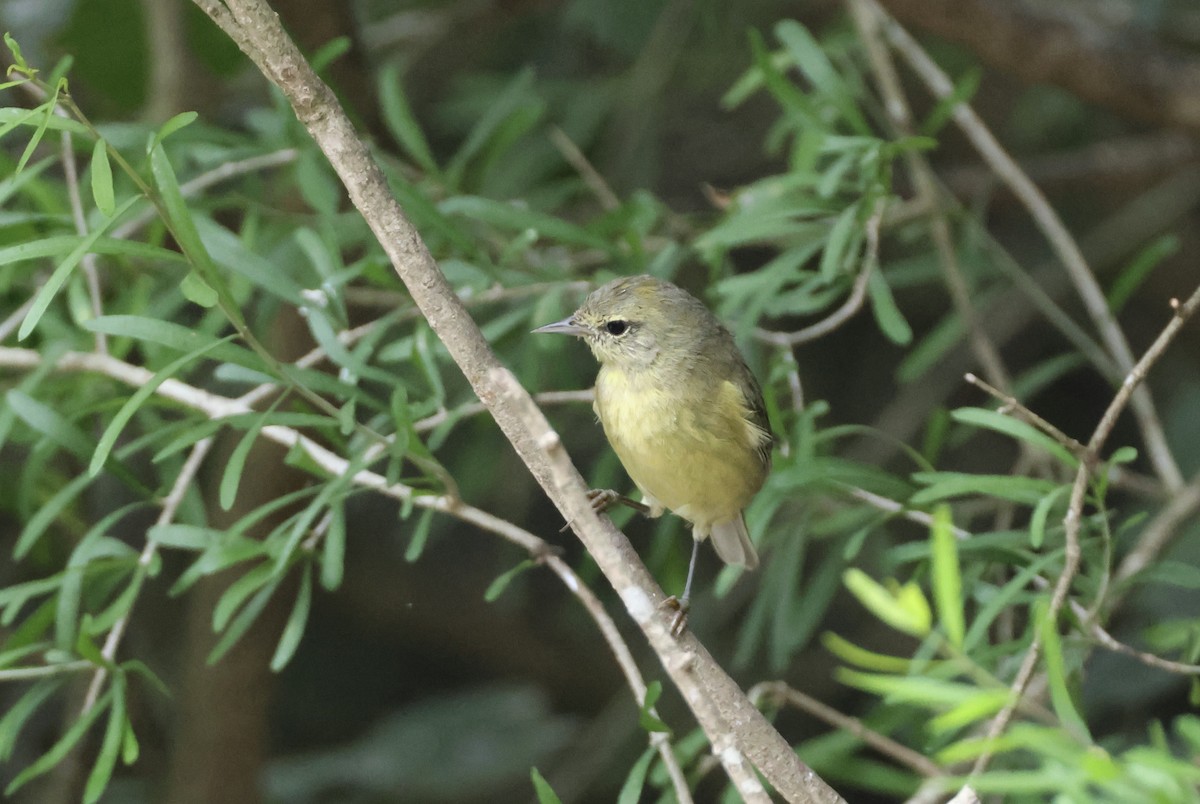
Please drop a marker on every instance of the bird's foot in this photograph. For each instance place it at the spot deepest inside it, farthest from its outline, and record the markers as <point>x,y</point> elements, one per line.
<point>603,499</point>
<point>680,608</point>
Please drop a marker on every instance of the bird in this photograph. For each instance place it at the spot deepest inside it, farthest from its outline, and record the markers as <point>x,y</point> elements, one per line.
<point>681,409</point>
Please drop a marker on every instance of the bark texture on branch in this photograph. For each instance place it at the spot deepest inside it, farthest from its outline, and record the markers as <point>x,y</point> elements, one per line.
<point>733,725</point>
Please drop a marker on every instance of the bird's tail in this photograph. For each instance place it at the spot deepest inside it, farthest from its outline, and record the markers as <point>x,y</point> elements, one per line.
<point>732,543</point>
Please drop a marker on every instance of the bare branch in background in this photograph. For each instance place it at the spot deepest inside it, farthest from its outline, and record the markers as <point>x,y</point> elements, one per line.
<point>1112,64</point>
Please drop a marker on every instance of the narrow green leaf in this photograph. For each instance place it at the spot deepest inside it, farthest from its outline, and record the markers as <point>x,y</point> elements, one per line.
<point>646,717</point>
<point>1041,512</point>
<point>947,577</point>
<point>514,218</point>
<point>241,589</point>
<point>545,793</point>
<point>887,314</point>
<point>985,704</point>
<point>59,245</point>
<point>1136,272</point>
<point>47,292</point>
<point>926,691</point>
<point>902,607</point>
<point>48,513</point>
<point>399,119</point>
<point>849,652</point>
<point>174,336</point>
<point>964,89</point>
<point>111,433</point>
<point>18,57</point>
<point>1005,597</point>
<point>232,477</point>
<point>180,220</point>
<point>60,749</point>
<point>197,291</point>
<point>416,545</point>
<point>242,622</point>
<point>842,235</point>
<point>110,748</point>
<point>102,180</point>
<point>1015,428</point>
<point>297,620</point>
<point>179,121</point>
<point>1056,672</point>
<point>20,712</point>
<point>945,485</point>
<point>129,745</point>
<point>497,587</point>
<point>50,423</point>
<point>810,57</point>
<point>333,548</point>
<point>184,537</point>
<point>635,782</point>
<point>92,546</point>
<point>35,140</point>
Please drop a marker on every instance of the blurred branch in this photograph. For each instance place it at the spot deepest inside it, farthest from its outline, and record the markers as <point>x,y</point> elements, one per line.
<point>868,24</point>
<point>1127,159</point>
<point>1120,68</point>
<point>591,177</point>
<point>779,693</point>
<point>1055,232</point>
<point>1160,530</point>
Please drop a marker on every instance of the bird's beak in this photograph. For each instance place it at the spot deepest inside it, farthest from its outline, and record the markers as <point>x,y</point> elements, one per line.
<point>565,327</point>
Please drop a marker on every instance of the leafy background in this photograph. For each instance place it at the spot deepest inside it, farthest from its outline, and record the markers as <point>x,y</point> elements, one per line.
<point>294,638</point>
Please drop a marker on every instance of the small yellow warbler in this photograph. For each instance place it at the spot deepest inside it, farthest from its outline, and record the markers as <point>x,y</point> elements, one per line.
<point>680,407</point>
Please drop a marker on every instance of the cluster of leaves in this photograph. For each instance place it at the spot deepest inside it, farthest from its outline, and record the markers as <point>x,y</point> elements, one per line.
<point>203,277</point>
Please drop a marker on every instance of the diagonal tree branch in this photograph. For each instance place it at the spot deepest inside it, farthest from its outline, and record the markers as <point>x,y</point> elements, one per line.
<point>719,705</point>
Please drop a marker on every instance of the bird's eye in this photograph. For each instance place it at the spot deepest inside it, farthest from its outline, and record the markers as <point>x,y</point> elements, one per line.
<point>617,327</point>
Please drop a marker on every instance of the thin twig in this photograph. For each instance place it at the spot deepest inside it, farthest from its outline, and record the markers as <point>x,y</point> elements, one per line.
<point>1073,520</point>
<point>927,193</point>
<point>578,160</point>
<point>625,660</point>
<point>854,301</point>
<point>474,408</point>
<point>1107,640</point>
<point>780,692</point>
<point>1055,232</point>
<point>893,507</point>
<point>45,671</point>
<point>91,272</point>
<point>1012,403</point>
<point>183,482</point>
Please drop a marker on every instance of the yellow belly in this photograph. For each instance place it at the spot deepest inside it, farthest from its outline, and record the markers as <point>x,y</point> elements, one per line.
<point>697,458</point>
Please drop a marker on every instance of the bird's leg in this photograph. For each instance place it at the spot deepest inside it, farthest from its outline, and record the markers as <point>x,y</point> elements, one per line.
<point>681,604</point>
<point>603,499</point>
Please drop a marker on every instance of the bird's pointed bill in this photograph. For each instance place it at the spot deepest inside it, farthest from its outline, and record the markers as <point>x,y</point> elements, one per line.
<point>565,327</point>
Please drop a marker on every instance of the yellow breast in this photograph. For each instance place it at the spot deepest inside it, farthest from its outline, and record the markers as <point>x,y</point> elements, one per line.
<point>695,456</point>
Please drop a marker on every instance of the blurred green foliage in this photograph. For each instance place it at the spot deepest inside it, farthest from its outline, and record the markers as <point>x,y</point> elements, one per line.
<point>924,577</point>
